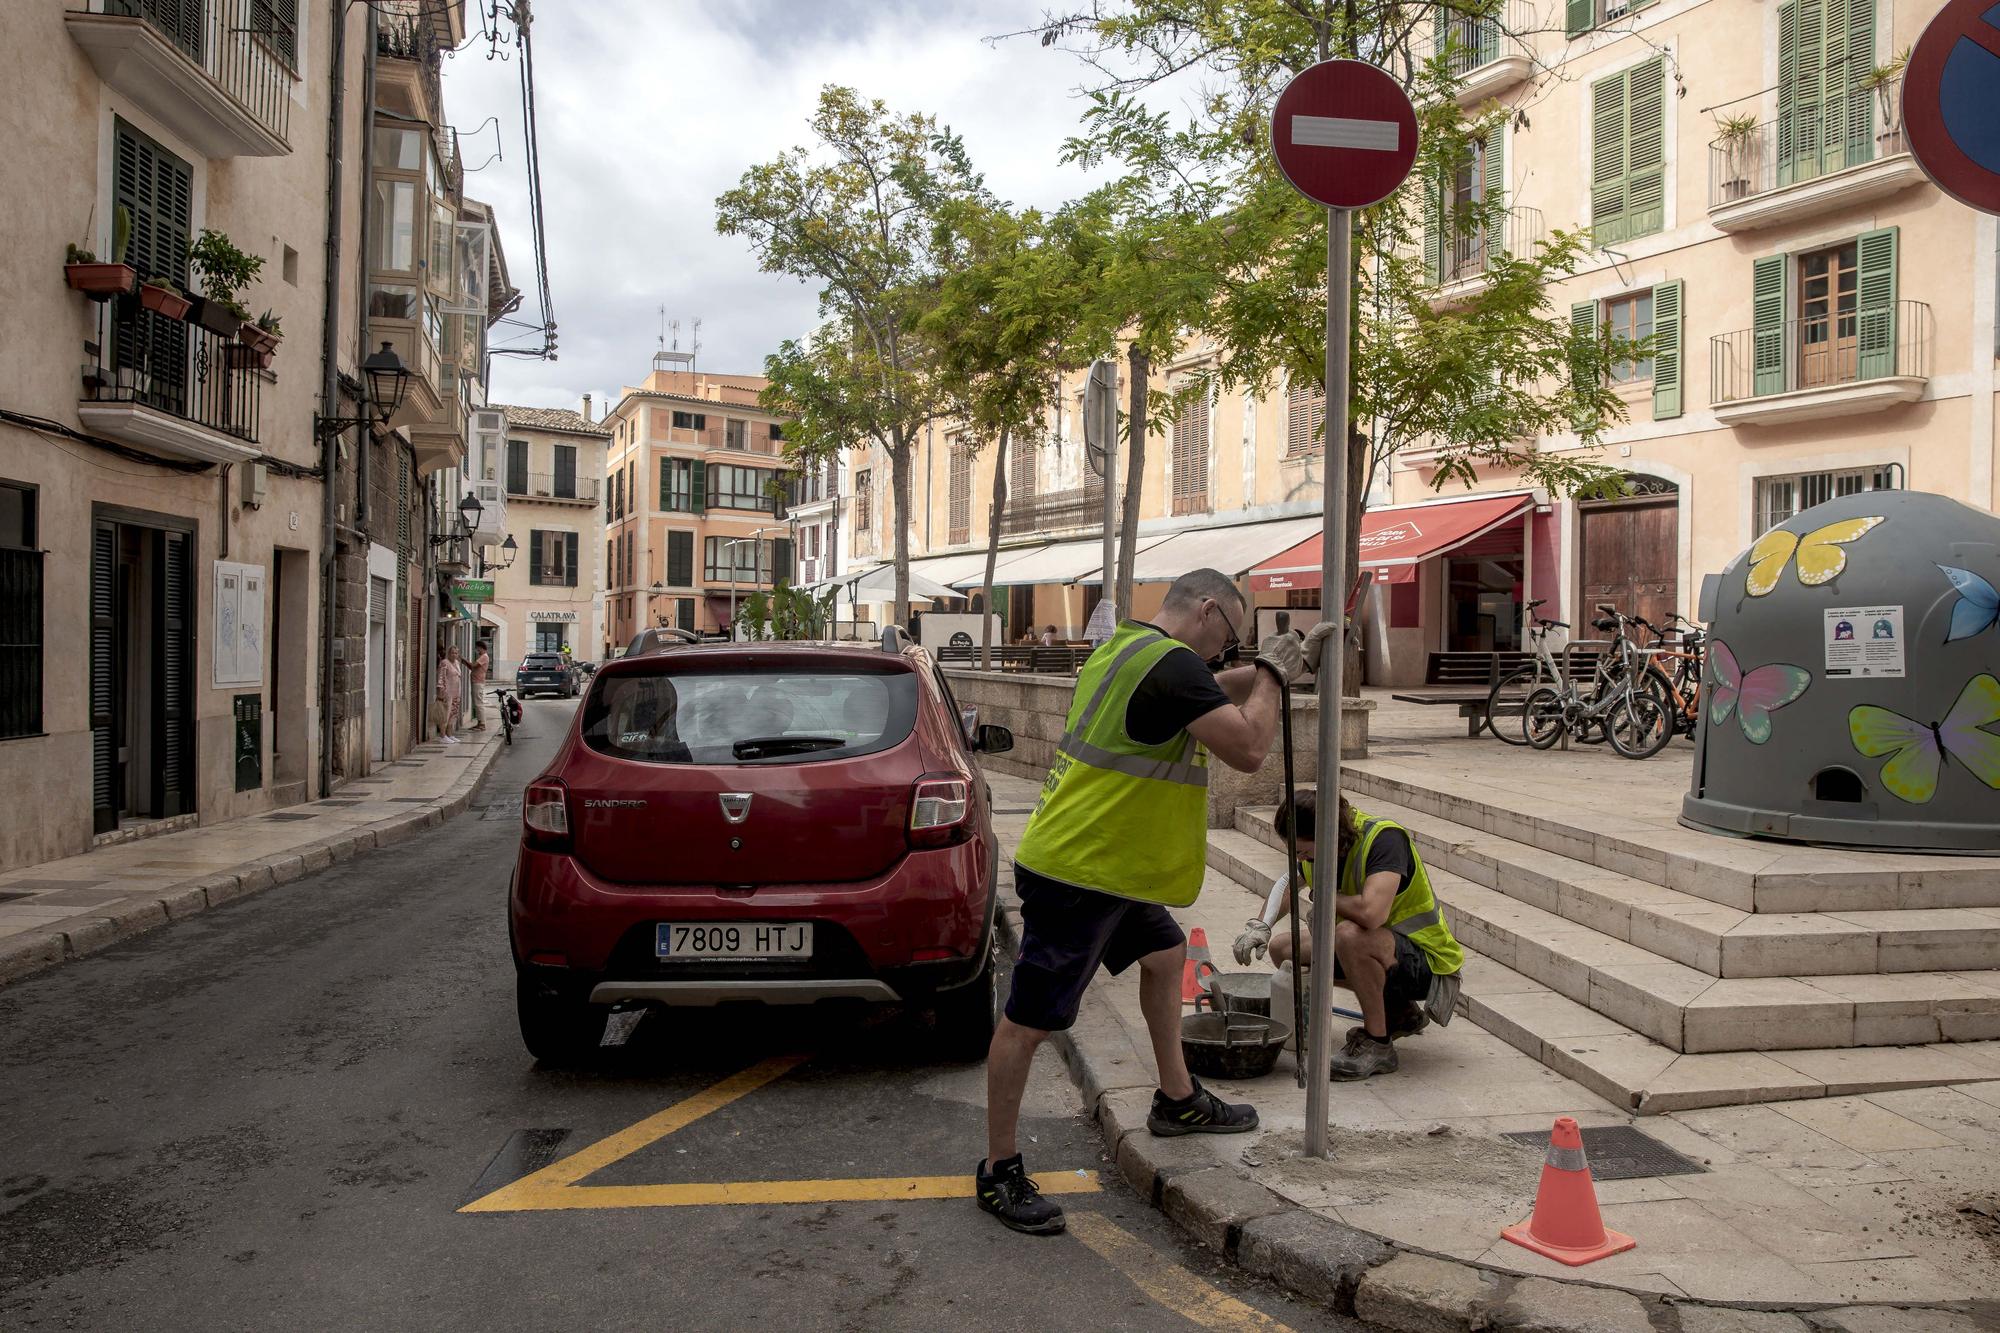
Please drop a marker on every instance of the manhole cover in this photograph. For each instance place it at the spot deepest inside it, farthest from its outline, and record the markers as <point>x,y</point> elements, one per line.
<point>1620,1152</point>
<point>287,816</point>
<point>336,804</point>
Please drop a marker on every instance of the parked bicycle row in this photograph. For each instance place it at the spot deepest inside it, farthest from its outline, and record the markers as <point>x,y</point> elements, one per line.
<point>1635,690</point>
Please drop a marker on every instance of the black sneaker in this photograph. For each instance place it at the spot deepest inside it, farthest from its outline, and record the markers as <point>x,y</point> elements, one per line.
<point>1202,1112</point>
<point>1007,1192</point>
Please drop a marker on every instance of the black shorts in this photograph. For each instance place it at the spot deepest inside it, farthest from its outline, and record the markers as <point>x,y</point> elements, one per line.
<point>1066,933</point>
<point>1409,981</point>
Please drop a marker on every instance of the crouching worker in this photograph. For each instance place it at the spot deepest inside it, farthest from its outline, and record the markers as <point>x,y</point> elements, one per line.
<point>1391,945</point>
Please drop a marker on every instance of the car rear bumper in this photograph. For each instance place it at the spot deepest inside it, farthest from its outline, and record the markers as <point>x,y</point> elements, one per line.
<point>923,927</point>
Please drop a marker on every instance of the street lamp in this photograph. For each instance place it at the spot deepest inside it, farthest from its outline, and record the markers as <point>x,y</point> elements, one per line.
<point>510,547</point>
<point>388,381</point>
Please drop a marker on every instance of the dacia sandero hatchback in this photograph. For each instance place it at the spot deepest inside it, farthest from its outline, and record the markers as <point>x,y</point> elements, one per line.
<point>779,823</point>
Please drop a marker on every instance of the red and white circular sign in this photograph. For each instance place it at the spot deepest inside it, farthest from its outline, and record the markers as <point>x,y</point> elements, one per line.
<point>1345,133</point>
<point>1951,102</point>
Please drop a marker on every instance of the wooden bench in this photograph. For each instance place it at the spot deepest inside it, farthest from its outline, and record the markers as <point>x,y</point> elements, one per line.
<point>1466,679</point>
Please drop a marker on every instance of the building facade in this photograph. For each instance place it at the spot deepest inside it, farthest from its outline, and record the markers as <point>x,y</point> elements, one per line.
<point>549,595</point>
<point>694,498</point>
<point>198,510</point>
<point>1822,319</point>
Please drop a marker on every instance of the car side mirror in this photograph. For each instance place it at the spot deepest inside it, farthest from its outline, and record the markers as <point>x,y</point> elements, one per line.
<point>993,740</point>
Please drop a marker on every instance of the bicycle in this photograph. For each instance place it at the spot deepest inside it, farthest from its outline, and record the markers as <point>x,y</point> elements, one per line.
<point>1679,686</point>
<point>509,709</point>
<point>1618,704</point>
<point>1509,694</point>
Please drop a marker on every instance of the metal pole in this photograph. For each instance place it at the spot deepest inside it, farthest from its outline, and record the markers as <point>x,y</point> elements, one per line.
<point>1108,432</point>
<point>1333,606</point>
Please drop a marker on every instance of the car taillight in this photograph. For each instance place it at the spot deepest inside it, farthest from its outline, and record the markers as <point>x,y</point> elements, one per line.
<point>938,812</point>
<point>545,812</point>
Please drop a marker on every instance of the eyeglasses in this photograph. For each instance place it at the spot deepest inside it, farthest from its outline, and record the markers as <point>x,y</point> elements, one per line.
<point>1232,645</point>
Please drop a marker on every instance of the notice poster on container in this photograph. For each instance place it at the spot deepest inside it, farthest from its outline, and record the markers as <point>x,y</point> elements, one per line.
<point>1864,642</point>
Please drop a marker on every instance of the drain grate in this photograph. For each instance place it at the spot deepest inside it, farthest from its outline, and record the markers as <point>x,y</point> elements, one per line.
<point>525,1152</point>
<point>413,800</point>
<point>1620,1152</point>
<point>287,816</point>
<point>336,804</point>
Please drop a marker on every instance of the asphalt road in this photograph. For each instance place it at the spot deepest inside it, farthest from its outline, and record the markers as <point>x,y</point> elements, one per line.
<point>271,1115</point>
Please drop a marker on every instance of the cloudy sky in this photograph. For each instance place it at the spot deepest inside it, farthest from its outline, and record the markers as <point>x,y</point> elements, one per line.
<point>648,109</point>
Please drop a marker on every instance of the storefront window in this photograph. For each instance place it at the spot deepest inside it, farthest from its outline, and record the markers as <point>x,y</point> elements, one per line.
<point>1483,601</point>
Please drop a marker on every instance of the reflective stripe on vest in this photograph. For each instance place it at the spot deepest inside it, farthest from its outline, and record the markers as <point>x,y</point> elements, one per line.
<point>1116,815</point>
<point>1415,914</point>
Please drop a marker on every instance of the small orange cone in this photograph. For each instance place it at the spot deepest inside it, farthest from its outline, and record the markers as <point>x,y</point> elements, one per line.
<point>1566,1226</point>
<point>1197,966</point>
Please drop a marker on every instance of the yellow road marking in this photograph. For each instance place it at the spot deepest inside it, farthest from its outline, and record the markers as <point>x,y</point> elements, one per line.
<point>864,1190</point>
<point>1166,1281</point>
<point>558,1187</point>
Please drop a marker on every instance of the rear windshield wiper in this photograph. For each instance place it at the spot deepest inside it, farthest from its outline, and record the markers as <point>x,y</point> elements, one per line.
<point>763,747</point>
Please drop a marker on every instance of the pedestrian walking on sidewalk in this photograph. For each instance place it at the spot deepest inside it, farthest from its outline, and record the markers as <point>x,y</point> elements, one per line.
<point>451,685</point>
<point>481,664</point>
<point>1119,836</point>
<point>1391,943</point>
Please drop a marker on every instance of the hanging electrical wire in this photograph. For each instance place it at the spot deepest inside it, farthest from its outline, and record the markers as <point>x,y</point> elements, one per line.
<point>533,161</point>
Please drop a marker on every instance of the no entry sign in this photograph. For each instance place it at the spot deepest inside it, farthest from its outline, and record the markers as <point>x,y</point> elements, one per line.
<point>1951,102</point>
<point>1345,133</point>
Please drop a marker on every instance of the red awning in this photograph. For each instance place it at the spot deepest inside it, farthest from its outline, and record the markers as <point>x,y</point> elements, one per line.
<point>1395,541</point>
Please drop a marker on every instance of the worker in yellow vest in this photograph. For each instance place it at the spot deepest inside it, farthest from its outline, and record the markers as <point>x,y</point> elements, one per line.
<point>1119,836</point>
<point>1391,944</point>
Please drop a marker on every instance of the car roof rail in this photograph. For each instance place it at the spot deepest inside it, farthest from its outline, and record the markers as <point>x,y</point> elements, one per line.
<point>895,639</point>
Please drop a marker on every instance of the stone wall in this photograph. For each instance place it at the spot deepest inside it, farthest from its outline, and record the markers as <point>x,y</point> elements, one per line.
<point>1035,707</point>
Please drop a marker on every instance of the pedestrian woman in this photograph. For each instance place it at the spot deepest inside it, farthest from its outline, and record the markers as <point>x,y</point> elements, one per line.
<point>451,693</point>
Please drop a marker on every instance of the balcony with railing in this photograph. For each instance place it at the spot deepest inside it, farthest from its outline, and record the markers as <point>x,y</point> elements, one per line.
<point>1054,511</point>
<point>410,78</point>
<point>170,387</point>
<point>1826,365</point>
<point>1466,253</point>
<point>219,73</point>
<point>554,488</point>
<point>1486,53</point>
<point>1812,159</point>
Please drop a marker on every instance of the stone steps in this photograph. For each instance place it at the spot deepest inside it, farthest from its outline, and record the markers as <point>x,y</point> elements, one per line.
<point>1683,928</point>
<point>1745,874</point>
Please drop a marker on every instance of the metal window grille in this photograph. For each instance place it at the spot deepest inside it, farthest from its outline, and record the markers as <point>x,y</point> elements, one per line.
<point>1779,498</point>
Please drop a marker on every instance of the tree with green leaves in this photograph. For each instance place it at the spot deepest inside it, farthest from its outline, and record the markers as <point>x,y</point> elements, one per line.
<point>1002,331</point>
<point>857,212</point>
<point>1477,380</point>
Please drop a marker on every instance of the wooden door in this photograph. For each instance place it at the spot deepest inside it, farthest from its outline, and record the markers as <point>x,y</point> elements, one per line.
<point>1631,559</point>
<point>1829,283</point>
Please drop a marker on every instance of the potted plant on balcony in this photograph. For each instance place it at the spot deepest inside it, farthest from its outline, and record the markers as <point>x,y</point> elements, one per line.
<point>164,297</point>
<point>1886,81</point>
<point>224,271</point>
<point>102,281</point>
<point>1738,139</point>
<point>262,336</point>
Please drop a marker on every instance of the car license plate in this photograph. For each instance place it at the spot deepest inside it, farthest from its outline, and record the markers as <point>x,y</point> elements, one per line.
<point>734,939</point>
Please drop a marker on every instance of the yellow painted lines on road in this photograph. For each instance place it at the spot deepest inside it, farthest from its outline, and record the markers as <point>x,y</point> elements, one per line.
<point>558,1186</point>
<point>1165,1280</point>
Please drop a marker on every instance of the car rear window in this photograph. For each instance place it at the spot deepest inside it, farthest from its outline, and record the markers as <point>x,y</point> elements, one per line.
<point>541,660</point>
<point>740,716</point>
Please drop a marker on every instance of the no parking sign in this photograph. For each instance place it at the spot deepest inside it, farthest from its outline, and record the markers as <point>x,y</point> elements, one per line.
<point>1951,102</point>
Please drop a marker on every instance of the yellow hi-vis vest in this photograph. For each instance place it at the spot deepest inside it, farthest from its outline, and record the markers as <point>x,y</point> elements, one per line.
<point>1415,912</point>
<point>1117,816</point>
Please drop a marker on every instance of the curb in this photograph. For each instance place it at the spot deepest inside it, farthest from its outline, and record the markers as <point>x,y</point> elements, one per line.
<point>1389,1285</point>
<point>34,951</point>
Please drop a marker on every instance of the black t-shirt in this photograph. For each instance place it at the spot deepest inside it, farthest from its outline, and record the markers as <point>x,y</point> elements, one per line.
<point>1390,853</point>
<point>1178,690</point>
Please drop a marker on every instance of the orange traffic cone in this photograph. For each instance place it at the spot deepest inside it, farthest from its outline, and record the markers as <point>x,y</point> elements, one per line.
<point>1197,966</point>
<point>1566,1226</point>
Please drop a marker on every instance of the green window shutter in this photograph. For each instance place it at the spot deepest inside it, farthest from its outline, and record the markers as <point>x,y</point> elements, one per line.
<point>1579,16</point>
<point>1646,149</point>
<point>700,470</point>
<point>1767,339</point>
<point>680,559</point>
<point>781,560</point>
<point>1440,28</point>
<point>1493,190</point>
<point>569,559</point>
<point>1607,159</point>
<point>1667,370</point>
<point>1875,333</point>
<point>1434,230</point>
<point>1802,40</point>
<point>666,467</point>
<point>1582,331</point>
<point>1856,104</point>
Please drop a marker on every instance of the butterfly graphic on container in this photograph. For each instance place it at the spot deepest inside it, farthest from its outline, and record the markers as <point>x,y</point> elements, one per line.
<point>1820,553</point>
<point>1917,750</point>
<point>1977,608</point>
<point>1754,696</point>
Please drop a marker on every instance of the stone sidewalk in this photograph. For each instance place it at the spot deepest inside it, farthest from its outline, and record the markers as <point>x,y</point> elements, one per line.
<point>59,910</point>
<point>1803,1206</point>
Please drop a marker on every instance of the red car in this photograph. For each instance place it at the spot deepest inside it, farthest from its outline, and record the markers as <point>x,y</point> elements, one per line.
<point>779,823</point>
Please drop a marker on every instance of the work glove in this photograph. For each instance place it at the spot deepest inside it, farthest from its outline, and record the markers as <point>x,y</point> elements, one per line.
<point>1316,643</point>
<point>1282,654</point>
<point>1253,942</point>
